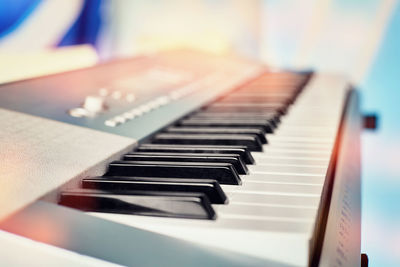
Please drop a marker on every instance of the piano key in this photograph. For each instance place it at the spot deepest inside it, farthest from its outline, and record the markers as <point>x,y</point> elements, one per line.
<point>262,223</point>
<point>283,177</point>
<point>224,173</point>
<point>250,141</point>
<point>212,130</point>
<point>271,119</point>
<point>250,224</point>
<point>272,116</point>
<point>268,105</point>
<point>261,98</point>
<point>299,139</point>
<point>268,168</point>
<point>265,125</point>
<point>235,160</point>
<point>279,92</point>
<point>267,210</point>
<point>162,204</point>
<point>283,84</point>
<point>241,150</point>
<point>295,160</point>
<point>283,75</point>
<point>274,198</point>
<point>263,114</point>
<point>210,188</point>
<point>262,94</point>
<point>300,145</point>
<point>275,187</point>
<point>323,155</point>
<point>273,86</point>
<point>245,109</point>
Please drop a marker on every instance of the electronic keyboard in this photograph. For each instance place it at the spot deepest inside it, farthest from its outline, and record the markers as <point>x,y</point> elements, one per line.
<point>180,159</point>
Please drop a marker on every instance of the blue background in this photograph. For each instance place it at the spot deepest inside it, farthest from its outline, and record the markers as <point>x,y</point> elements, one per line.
<point>381,156</point>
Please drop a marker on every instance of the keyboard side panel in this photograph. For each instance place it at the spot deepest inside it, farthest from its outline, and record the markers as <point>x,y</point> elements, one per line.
<point>38,155</point>
<point>342,241</point>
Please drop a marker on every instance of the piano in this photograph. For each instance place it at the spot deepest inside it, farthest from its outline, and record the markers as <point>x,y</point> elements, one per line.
<point>180,158</point>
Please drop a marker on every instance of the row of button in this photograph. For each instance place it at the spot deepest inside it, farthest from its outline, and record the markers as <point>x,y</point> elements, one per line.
<point>104,92</point>
<point>137,111</point>
<point>158,102</point>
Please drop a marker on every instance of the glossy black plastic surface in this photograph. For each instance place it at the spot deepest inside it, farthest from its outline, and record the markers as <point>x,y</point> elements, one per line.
<point>241,150</point>
<point>262,124</point>
<point>213,130</point>
<point>224,173</point>
<point>250,141</point>
<point>235,160</point>
<point>149,203</point>
<point>210,188</point>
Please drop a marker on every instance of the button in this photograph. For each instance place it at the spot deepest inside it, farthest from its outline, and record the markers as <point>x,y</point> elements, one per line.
<point>116,95</point>
<point>137,112</point>
<point>129,115</point>
<point>120,119</point>
<point>78,112</point>
<point>175,95</point>
<point>163,100</point>
<point>111,123</point>
<point>144,108</point>
<point>94,104</point>
<point>154,104</point>
<point>103,92</point>
<point>130,97</point>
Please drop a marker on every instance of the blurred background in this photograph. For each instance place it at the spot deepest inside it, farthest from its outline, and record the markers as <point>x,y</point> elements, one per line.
<point>360,38</point>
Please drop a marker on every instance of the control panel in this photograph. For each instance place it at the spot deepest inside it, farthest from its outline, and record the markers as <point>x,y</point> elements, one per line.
<point>130,97</point>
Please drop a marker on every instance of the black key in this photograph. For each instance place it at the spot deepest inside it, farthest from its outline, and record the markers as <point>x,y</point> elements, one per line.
<point>254,94</point>
<point>234,160</point>
<point>148,203</point>
<point>237,98</point>
<point>276,105</point>
<point>210,188</point>
<point>212,130</point>
<point>265,125</point>
<point>241,150</point>
<point>273,122</point>
<point>273,117</point>
<point>244,108</point>
<point>253,102</point>
<point>224,173</point>
<point>271,89</point>
<point>250,141</point>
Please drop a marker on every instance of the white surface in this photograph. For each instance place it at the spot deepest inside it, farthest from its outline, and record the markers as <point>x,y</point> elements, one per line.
<point>19,251</point>
<point>38,155</point>
<point>17,65</point>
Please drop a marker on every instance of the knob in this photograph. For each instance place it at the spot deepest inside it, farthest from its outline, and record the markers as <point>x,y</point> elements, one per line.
<point>94,104</point>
